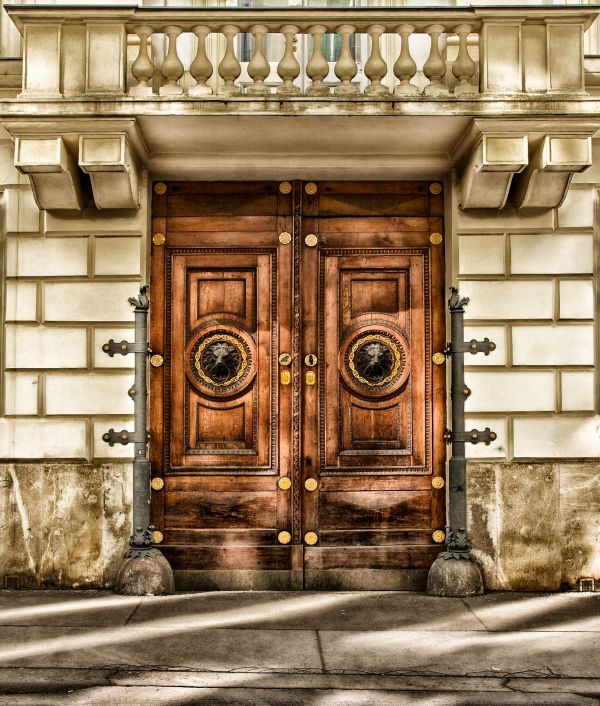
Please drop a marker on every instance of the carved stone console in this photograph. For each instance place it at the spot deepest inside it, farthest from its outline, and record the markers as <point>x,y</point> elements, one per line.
<point>490,168</point>
<point>544,183</point>
<point>112,166</point>
<point>52,170</point>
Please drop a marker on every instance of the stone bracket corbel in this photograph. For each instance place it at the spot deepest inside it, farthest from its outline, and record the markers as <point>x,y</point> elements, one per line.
<point>544,183</point>
<point>113,169</point>
<point>52,171</point>
<point>489,170</point>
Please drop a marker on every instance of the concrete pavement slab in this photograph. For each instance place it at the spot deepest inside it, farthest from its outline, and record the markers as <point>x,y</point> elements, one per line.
<point>534,654</point>
<point>65,608</point>
<point>569,612</point>
<point>356,610</point>
<point>184,646</point>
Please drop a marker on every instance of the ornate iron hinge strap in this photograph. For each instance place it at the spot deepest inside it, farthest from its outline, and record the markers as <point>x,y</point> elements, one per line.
<point>141,540</point>
<point>112,348</point>
<point>475,436</point>
<point>125,437</point>
<point>457,543</point>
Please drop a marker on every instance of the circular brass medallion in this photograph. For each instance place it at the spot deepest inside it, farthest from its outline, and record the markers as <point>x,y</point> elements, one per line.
<point>311,538</point>
<point>157,484</point>
<point>284,483</point>
<point>157,537</point>
<point>311,240</point>
<point>435,188</point>
<point>436,238</point>
<point>311,484</point>
<point>158,239</point>
<point>285,187</point>
<point>438,358</point>
<point>285,359</point>
<point>438,482</point>
<point>160,188</point>
<point>156,361</point>
<point>284,537</point>
<point>374,360</point>
<point>285,238</point>
<point>310,188</point>
<point>221,360</point>
<point>438,536</point>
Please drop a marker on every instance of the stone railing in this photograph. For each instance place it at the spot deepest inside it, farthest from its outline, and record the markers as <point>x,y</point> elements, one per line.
<point>109,52</point>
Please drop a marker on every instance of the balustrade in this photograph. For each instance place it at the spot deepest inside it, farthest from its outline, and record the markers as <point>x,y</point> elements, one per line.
<point>407,52</point>
<point>309,79</point>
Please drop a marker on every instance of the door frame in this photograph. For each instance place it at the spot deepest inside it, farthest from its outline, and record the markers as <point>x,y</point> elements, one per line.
<point>157,330</point>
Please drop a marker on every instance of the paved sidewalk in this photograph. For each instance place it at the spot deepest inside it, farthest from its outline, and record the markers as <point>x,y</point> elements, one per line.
<point>317,649</point>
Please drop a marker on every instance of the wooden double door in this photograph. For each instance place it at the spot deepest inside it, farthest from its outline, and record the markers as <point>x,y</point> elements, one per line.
<point>298,418</point>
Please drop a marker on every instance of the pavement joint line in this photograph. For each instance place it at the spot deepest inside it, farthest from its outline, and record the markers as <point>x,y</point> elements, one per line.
<point>133,612</point>
<point>321,655</point>
<point>473,613</point>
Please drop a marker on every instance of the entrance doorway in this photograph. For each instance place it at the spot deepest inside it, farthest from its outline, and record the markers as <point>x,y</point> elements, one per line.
<point>298,418</point>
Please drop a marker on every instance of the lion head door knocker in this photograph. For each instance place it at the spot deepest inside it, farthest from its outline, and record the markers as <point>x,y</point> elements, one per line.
<point>221,360</point>
<point>374,360</point>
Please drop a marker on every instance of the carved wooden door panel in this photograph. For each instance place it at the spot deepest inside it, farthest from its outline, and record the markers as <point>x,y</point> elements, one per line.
<point>220,419</point>
<point>374,419</point>
<point>297,421</point>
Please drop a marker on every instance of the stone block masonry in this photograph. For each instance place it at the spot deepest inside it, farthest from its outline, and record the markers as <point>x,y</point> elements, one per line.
<point>532,292</point>
<point>533,493</point>
<point>68,278</point>
<point>65,506</point>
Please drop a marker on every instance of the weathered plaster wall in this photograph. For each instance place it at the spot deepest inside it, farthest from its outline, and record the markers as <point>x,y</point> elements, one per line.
<point>63,524</point>
<point>535,526</point>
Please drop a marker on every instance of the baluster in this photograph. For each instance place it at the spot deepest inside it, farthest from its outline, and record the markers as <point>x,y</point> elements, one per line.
<point>201,68</point>
<point>464,67</point>
<point>230,68</point>
<point>172,68</point>
<point>142,68</point>
<point>405,67</point>
<point>345,68</point>
<point>288,68</point>
<point>435,66</point>
<point>317,68</point>
<point>258,68</point>
<point>375,68</point>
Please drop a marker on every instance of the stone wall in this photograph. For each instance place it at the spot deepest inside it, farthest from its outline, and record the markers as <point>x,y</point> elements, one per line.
<point>535,526</point>
<point>63,525</point>
<point>534,494</point>
<point>64,494</point>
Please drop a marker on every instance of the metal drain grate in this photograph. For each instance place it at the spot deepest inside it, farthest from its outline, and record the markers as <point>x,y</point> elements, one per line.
<point>586,585</point>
